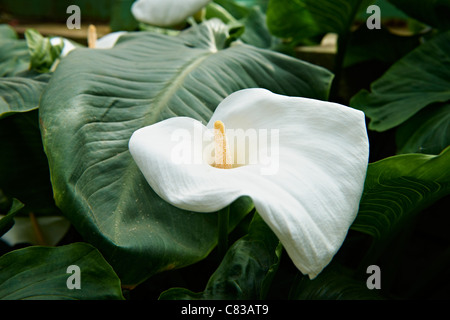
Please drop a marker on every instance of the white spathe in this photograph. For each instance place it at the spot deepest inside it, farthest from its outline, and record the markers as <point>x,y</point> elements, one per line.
<point>106,42</point>
<point>312,197</point>
<point>166,13</point>
<point>109,40</point>
<point>53,229</point>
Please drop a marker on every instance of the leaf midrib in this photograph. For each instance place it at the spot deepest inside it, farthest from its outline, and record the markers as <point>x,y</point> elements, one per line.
<point>161,103</point>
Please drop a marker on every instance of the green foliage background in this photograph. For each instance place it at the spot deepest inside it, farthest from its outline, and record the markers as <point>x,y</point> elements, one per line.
<point>65,125</point>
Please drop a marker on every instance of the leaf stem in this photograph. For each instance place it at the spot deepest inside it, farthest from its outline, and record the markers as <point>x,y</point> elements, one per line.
<point>37,230</point>
<point>338,67</point>
<point>343,39</point>
<point>223,222</point>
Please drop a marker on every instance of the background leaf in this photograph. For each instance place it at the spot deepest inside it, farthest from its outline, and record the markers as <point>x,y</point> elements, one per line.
<point>251,3</point>
<point>21,94</point>
<point>97,98</point>
<point>24,172</point>
<point>334,283</point>
<point>428,131</point>
<point>396,190</point>
<point>416,81</point>
<point>43,53</point>
<point>304,19</point>
<point>250,16</point>
<point>378,45</point>
<point>246,270</point>
<point>37,273</point>
<point>14,56</point>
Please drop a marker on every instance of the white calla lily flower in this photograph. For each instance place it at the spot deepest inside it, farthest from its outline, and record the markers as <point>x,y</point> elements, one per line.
<point>305,173</point>
<point>166,13</point>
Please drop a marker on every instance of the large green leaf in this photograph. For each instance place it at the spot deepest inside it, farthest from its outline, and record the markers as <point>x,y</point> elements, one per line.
<point>396,190</point>
<point>97,98</point>
<point>419,79</point>
<point>41,273</point>
<point>245,272</point>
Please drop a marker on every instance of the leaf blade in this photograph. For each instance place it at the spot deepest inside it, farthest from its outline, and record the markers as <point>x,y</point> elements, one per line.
<point>416,81</point>
<point>396,190</point>
<point>245,272</point>
<point>41,273</point>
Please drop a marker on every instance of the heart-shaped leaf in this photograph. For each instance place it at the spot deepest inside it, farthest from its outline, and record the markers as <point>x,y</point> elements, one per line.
<point>98,98</point>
